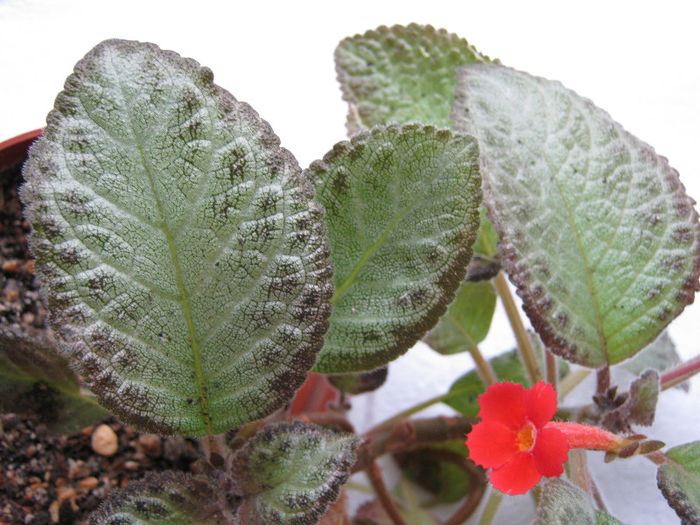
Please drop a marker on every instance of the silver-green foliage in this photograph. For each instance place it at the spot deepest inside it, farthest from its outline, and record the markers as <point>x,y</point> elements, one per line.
<point>183,255</point>
<point>289,473</point>
<point>597,231</point>
<point>401,74</point>
<point>679,481</point>
<point>402,211</point>
<point>166,498</point>
<point>561,503</point>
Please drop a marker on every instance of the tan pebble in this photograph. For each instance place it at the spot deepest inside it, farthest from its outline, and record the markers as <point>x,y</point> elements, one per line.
<point>104,441</point>
<point>53,511</point>
<point>77,469</point>
<point>131,465</point>
<point>88,483</point>
<point>10,266</point>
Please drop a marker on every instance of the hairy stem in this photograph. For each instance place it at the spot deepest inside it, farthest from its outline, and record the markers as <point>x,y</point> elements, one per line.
<point>581,477</point>
<point>409,435</point>
<point>680,373</point>
<point>527,352</point>
<point>488,376</point>
<point>375,476</point>
<point>603,380</point>
<point>491,508</point>
<point>551,368</point>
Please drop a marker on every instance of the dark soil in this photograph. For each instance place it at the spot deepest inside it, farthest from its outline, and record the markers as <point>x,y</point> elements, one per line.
<point>47,478</point>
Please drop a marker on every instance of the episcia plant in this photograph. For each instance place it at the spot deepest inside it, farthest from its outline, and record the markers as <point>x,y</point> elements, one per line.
<point>196,276</point>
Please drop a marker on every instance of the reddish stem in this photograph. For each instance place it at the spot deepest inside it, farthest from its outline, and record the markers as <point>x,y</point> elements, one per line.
<point>680,373</point>
<point>375,476</point>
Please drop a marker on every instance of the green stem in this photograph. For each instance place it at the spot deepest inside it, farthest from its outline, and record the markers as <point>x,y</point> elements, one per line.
<point>550,361</point>
<point>414,410</point>
<point>491,508</point>
<point>488,376</point>
<point>527,352</point>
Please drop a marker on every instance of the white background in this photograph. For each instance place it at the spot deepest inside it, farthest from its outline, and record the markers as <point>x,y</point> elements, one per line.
<point>637,60</point>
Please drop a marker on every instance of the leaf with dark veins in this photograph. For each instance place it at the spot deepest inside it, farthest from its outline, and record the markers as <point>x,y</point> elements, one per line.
<point>183,255</point>
<point>597,231</point>
<point>402,212</point>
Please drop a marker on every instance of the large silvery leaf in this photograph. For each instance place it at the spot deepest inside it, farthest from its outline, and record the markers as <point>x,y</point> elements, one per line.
<point>401,74</point>
<point>167,498</point>
<point>467,320</point>
<point>679,481</point>
<point>597,231</point>
<point>402,210</point>
<point>289,473</point>
<point>34,378</point>
<point>184,260</point>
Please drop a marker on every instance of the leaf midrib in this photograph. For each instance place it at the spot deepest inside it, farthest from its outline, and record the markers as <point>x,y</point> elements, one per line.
<point>184,297</point>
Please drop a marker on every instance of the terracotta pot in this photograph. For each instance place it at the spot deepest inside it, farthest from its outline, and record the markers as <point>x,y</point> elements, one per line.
<point>14,150</point>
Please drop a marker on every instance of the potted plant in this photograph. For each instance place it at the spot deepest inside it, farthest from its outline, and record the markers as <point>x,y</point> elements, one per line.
<point>195,275</point>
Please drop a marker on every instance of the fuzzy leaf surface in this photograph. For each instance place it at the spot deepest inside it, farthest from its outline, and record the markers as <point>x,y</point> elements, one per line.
<point>34,378</point>
<point>289,473</point>
<point>679,481</point>
<point>597,231</point>
<point>167,498</point>
<point>660,355</point>
<point>402,211</point>
<point>401,74</point>
<point>562,503</point>
<point>184,259</point>
<point>467,320</point>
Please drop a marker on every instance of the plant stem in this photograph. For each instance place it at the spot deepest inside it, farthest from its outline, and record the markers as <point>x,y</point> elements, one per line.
<point>414,409</point>
<point>527,352</point>
<point>488,376</point>
<point>571,381</point>
<point>491,508</point>
<point>477,487</point>
<point>581,477</point>
<point>409,435</point>
<point>680,373</point>
<point>603,379</point>
<point>551,368</point>
<point>375,476</point>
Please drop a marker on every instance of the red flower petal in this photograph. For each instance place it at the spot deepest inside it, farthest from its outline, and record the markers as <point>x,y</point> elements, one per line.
<point>491,444</point>
<point>541,402</point>
<point>550,452</point>
<point>505,403</point>
<point>517,476</point>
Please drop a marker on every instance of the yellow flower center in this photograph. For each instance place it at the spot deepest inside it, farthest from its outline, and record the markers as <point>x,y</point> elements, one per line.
<point>526,437</point>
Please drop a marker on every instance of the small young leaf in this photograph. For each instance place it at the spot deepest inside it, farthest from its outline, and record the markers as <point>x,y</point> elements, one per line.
<point>35,378</point>
<point>184,258</point>
<point>640,406</point>
<point>679,481</point>
<point>166,498</point>
<point>561,503</point>
<point>467,320</point>
<point>597,231</point>
<point>401,74</point>
<point>402,210</point>
<point>289,473</point>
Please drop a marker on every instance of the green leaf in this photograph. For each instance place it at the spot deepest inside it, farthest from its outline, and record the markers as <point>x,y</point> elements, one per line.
<point>440,469</point>
<point>360,382</point>
<point>561,503</point>
<point>289,473</point>
<point>660,355</point>
<point>467,320</point>
<point>401,74</point>
<point>679,481</point>
<point>465,391</point>
<point>34,378</point>
<point>183,256</point>
<point>166,498</point>
<point>402,210</point>
<point>597,232</point>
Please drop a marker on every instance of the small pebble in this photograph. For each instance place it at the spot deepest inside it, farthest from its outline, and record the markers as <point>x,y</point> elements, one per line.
<point>152,445</point>
<point>104,441</point>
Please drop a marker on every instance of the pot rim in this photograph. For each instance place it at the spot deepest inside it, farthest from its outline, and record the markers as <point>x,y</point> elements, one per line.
<point>14,150</point>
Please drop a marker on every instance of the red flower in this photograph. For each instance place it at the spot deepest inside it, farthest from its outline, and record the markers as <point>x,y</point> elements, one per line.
<point>514,438</point>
